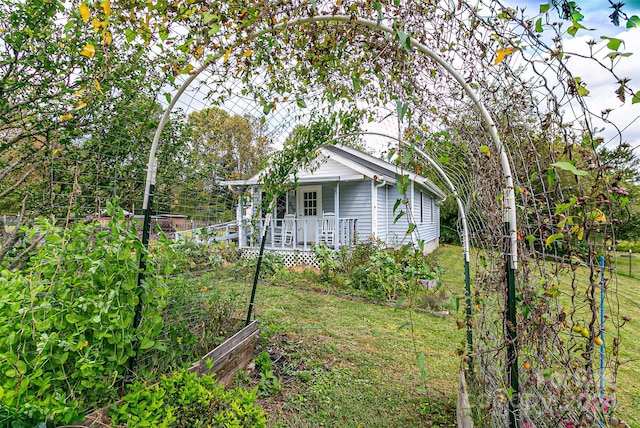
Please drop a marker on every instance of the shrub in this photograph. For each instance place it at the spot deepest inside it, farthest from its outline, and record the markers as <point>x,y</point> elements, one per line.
<point>66,320</point>
<point>263,362</point>
<point>185,400</point>
<point>371,271</point>
<point>625,246</point>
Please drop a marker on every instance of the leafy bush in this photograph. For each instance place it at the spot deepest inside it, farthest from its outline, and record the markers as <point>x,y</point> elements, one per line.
<point>369,270</point>
<point>66,320</point>
<point>625,246</point>
<point>271,264</point>
<point>185,400</point>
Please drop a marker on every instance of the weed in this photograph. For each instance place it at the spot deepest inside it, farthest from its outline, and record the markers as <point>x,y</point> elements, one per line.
<point>263,362</point>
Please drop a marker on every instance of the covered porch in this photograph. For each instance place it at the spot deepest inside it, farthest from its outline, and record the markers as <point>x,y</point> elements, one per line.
<point>301,234</point>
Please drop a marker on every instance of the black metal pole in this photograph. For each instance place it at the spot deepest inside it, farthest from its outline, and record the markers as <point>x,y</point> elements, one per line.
<point>255,277</point>
<point>512,334</point>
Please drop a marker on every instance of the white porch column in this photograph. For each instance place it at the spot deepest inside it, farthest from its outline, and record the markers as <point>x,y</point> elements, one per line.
<point>374,209</point>
<point>336,207</point>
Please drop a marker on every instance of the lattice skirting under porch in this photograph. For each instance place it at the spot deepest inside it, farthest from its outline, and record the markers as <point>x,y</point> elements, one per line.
<point>291,257</point>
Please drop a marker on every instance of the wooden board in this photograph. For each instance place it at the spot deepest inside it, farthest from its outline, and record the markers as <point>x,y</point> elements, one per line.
<point>230,356</point>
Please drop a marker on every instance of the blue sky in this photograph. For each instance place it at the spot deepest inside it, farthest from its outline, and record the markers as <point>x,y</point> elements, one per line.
<point>596,12</point>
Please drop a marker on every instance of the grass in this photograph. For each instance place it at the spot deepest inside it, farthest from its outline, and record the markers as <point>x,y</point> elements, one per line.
<point>353,365</point>
<point>364,367</point>
<point>372,361</point>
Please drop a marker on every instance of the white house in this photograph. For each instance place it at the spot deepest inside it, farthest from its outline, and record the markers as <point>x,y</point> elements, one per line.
<point>346,197</point>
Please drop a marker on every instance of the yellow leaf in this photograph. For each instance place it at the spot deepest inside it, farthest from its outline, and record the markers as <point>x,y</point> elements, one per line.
<point>96,85</point>
<point>106,38</point>
<point>88,50</point>
<point>84,12</point>
<point>106,7</point>
<point>66,116</point>
<point>501,54</point>
<point>247,53</point>
<point>80,105</point>
<point>79,92</point>
<point>97,24</point>
<point>226,56</point>
<point>198,52</point>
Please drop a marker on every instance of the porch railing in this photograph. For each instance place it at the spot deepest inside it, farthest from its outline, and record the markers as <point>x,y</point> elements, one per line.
<point>302,235</point>
<point>226,232</point>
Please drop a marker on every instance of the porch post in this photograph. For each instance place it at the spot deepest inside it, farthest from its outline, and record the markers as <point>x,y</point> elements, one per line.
<point>374,209</point>
<point>239,212</point>
<point>337,236</point>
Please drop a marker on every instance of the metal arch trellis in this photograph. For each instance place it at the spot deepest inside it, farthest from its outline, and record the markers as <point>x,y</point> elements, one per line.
<point>510,206</point>
<point>508,190</point>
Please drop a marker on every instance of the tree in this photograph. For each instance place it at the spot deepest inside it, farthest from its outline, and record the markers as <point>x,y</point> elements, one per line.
<point>224,146</point>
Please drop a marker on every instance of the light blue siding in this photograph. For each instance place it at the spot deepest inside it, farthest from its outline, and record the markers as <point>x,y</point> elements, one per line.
<point>397,231</point>
<point>427,219</point>
<point>427,230</point>
<point>383,215</point>
<point>355,202</point>
<point>328,201</point>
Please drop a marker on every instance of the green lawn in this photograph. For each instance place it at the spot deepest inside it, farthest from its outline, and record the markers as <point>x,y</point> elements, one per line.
<point>351,364</point>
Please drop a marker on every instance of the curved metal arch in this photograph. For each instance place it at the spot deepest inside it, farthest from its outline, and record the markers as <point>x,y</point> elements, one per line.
<point>509,197</point>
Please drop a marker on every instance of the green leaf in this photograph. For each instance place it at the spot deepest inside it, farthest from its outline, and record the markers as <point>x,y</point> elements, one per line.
<point>411,228</point>
<point>404,39</point>
<point>568,166</point>
<point>130,35</point>
<point>547,374</point>
<point>539,25</point>
<point>301,103</point>
<point>614,55</point>
<point>636,98</point>
<point>544,8</point>
<point>421,366</point>
<point>530,239</point>
<point>267,108</point>
<point>485,150</point>
<point>405,324</point>
<point>399,303</point>
<point>551,239</point>
<point>21,366</point>
<point>561,208</point>
<point>146,343</point>
<point>355,79</point>
<point>214,28</point>
<point>455,303</point>
<point>401,109</point>
<point>614,44</point>
<point>208,17</point>
<point>633,22</point>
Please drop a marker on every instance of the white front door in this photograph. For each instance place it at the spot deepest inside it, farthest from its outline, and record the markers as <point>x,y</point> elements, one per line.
<point>309,210</point>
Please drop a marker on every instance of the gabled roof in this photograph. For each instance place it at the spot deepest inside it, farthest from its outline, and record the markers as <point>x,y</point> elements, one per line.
<point>363,164</point>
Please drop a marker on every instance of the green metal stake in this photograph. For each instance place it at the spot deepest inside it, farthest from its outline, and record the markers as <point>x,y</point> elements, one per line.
<point>512,345</point>
<point>467,291</point>
<point>146,226</point>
